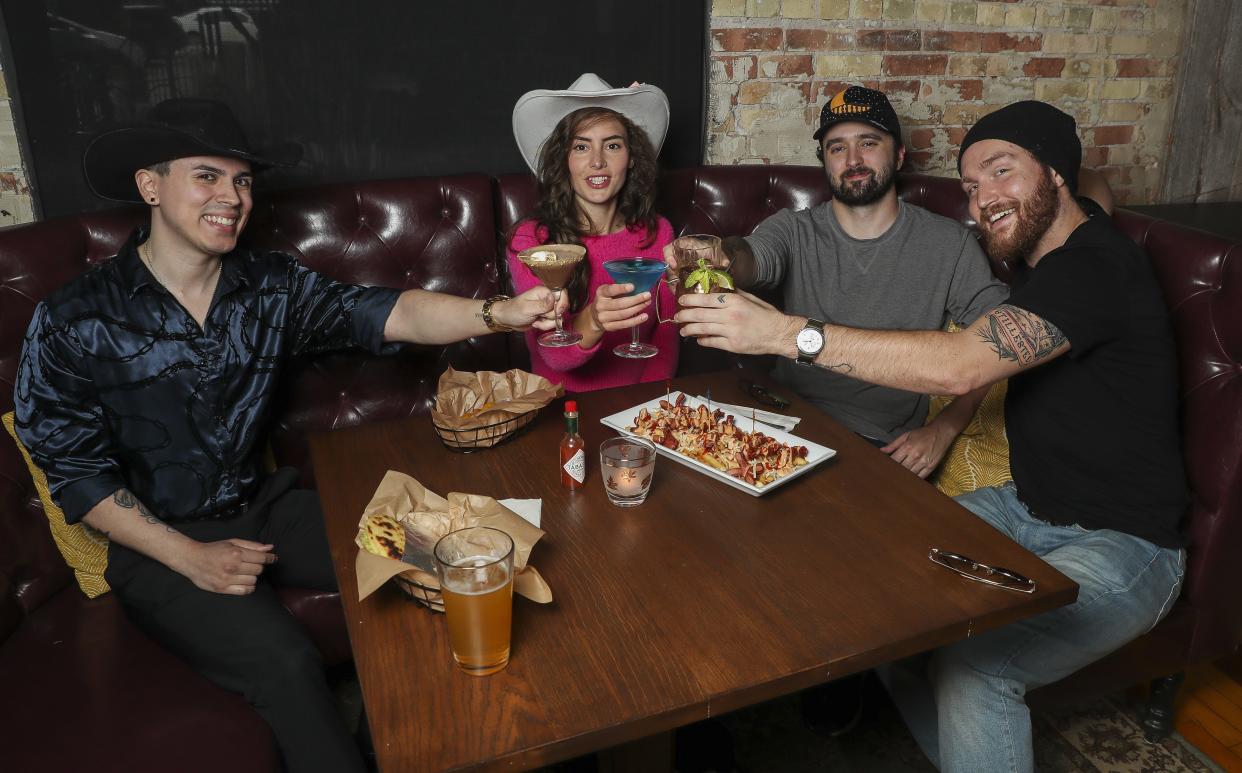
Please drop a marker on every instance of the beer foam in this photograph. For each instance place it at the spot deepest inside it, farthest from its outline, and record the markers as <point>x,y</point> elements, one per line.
<point>488,575</point>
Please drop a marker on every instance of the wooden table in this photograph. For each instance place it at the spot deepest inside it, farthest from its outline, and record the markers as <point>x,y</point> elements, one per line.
<point>699,602</point>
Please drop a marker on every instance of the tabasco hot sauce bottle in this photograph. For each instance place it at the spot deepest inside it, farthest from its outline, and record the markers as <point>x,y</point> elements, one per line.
<point>573,452</point>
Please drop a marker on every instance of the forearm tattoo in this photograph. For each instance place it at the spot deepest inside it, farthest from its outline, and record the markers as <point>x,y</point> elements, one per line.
<point>1020,336</point>
<point>125,498</point>
<point>837,367</point>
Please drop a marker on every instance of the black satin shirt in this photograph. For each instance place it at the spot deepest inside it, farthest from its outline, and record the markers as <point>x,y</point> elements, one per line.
<point>119,387</point>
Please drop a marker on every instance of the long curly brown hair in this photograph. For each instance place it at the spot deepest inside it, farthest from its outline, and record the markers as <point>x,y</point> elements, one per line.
<point>557,209</point>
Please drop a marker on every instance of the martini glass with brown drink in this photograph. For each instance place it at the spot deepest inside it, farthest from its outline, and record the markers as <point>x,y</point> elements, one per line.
<point>553,264</point>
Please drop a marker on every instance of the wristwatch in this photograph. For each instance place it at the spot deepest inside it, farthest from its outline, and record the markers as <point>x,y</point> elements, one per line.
<point>488,320</point>
<point>810,341</point>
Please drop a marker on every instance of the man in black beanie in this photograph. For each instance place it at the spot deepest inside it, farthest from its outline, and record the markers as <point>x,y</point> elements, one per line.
<point>1091,415</point>
<point>1048,136</point>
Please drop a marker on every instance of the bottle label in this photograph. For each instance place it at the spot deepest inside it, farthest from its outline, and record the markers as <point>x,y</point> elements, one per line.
<point>576,466</point>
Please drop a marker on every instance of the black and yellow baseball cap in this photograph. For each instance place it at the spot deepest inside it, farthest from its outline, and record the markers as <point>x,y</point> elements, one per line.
<point>857,103</point>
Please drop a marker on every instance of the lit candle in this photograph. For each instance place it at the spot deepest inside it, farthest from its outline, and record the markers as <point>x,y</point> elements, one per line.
<point>627,481</point>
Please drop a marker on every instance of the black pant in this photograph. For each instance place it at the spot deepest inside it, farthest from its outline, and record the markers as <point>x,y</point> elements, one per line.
<point>251,644</point>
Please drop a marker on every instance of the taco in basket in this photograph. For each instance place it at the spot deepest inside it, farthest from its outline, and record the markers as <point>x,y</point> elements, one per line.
<point>383,536</point>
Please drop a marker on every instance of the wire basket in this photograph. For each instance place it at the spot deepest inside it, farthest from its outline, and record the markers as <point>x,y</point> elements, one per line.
<point>425,595</point>
<point>465,441</point>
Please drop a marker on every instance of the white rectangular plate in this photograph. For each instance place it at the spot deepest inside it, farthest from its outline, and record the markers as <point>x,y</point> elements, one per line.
<point>621,421</point>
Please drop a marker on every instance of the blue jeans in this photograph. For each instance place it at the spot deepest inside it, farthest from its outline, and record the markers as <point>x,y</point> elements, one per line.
<point>965,703</point>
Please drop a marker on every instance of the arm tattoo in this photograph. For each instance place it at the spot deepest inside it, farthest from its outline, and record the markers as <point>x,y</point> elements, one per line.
<point>1018,335</point>
<point>837,367</point>
<point>125,498</point>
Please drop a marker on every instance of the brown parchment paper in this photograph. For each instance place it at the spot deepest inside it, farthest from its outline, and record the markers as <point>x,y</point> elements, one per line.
<point>427,517</point>
<point>467,401</point>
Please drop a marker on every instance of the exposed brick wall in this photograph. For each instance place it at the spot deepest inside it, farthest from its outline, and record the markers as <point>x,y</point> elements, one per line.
<point>945,63</point>
<point>15,201</point>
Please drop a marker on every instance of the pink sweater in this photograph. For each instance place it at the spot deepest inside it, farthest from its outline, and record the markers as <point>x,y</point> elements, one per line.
<point>584,370</point>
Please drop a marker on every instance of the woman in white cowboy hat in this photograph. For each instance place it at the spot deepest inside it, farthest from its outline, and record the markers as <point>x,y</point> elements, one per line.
<point>593,148</point>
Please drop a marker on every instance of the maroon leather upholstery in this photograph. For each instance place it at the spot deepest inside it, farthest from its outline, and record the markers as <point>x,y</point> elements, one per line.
<point>68,665</point>
<point>432,233</point>
<point>733,200</point>
<point>84,690</point>
<point>1202,279</point>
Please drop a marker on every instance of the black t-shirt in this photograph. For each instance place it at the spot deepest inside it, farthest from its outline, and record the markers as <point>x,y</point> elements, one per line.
<point>1093,434</point>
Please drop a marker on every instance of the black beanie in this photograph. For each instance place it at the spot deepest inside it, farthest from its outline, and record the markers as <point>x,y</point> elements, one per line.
<point>1047,133</point>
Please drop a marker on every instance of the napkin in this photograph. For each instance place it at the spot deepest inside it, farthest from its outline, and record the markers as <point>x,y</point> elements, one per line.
<point>529,509</point>
<point>781,420</point>
<point>426,516</point>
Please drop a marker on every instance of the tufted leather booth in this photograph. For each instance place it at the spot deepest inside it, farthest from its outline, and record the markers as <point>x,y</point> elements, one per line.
<point>77,669</point>
<point>434,233</point>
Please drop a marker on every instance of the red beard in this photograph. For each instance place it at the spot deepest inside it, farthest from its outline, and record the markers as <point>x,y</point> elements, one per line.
<point>1034,216</point>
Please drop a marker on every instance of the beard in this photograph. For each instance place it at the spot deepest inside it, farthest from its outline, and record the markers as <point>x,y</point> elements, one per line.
<point>1034,215</point>
<point>863,192</point>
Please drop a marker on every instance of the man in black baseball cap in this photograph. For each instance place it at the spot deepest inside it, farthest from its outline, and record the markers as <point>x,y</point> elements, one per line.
<point>1098,486</point>
<point>854,183</point>
<point>866,259</point>
<point>144,391</point>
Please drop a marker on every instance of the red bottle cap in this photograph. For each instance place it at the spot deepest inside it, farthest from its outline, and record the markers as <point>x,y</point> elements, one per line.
<point>571,406</point>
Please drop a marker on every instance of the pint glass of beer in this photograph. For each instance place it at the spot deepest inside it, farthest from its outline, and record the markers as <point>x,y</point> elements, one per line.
<point>475,566</point>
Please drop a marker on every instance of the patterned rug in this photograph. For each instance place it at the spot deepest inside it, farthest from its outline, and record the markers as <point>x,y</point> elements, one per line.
<point>1103,737</point>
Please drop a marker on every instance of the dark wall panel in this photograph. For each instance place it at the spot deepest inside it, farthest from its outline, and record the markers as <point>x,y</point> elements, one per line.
<point>370,88</point>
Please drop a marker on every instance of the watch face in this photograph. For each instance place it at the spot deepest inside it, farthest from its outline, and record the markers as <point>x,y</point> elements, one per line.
<point>810,340</point>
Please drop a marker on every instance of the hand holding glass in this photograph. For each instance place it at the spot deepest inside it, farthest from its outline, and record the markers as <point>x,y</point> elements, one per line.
<point>644,274</point>
<point>553,264</point>
<point>688,251</point>
<point>475,567</point>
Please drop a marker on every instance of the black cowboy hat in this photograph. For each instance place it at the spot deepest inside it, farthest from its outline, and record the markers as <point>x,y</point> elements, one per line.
<point>176,128</point>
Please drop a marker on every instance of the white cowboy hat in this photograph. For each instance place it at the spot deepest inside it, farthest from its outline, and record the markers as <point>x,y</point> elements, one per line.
<point>537,112</point>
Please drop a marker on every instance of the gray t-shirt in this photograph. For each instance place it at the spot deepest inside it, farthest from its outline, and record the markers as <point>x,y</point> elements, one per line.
<point>925,271</point>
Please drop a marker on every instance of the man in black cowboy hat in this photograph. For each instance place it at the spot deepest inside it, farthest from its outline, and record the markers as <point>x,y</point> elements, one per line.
<point>1091,415</point>
<point>144,388</point>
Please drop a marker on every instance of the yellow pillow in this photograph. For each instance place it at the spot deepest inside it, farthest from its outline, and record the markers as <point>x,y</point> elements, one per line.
<point>84,549</point>
<point>980,455</point>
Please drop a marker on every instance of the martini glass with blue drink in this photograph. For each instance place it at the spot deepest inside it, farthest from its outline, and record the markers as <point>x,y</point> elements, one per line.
<point>644,274</point>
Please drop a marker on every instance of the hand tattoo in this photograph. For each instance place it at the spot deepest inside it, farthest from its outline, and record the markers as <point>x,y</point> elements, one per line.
<point>1020,336</point>
<point>125,498</point>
